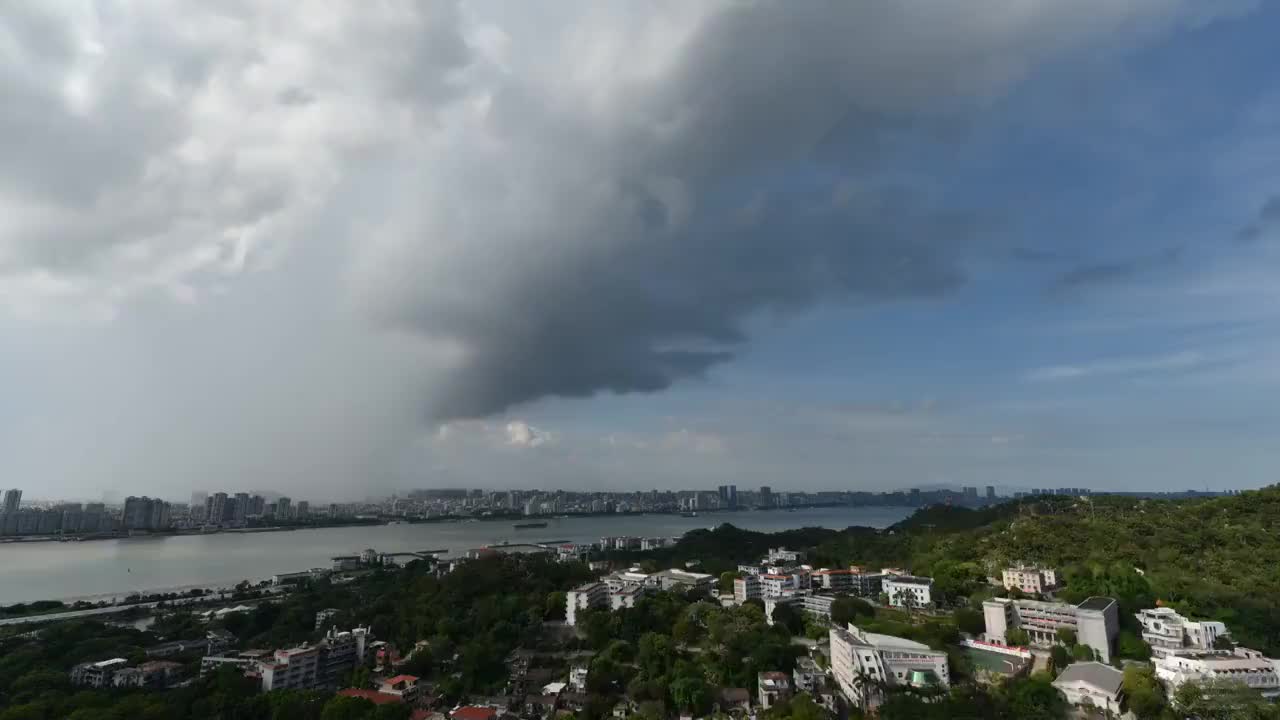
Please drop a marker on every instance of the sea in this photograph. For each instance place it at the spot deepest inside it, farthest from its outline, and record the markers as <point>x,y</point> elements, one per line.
<point>112,569</point>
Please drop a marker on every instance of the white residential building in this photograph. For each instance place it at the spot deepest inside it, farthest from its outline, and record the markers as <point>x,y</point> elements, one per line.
<point>1241,665</point>
<point>293,669</point>
<point>683,580</point>
<point>97,674</point>
<point>746,588</point>
<point>908,591</point>
<point>863,664</point>
<point>590,596</point>
<point>1168,632</point>
<point>1092,684</point>
<point>1096,622</point>
<point>1031,580</point>
<point>779,556</point>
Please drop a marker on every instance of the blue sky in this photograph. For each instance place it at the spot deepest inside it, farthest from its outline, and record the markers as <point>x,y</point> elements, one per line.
<point>1026,244</point>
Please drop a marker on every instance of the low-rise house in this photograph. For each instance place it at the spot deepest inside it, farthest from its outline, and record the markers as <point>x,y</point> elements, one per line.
<point>1241,665</point>
<point>807,676</point>
<point>578,678</point>
<point>773,687</point>
<point>474,712</point>
<point>732,699</point>
<point>909,591</point>
<point>1092,685</point>
<point>1168,632</point>
<point>405,687</point>
<point>178,647</point>
<point>373,696</point>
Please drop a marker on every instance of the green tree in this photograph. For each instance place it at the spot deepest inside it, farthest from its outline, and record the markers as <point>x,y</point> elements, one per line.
<point>786,616</point>
<point>1060,657</point>
<point>847,609</point>
<point>726,581</point>
<point>1018,637</point>
<point>556,605</point>
<point>1083,652</point>
<point>1143,693</point>
<point>970,621</point>
<point>1067,636</point>
<point>347,708</point>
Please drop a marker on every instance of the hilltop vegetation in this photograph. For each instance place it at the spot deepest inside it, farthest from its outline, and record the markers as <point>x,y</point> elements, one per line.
<point>1213,558</point>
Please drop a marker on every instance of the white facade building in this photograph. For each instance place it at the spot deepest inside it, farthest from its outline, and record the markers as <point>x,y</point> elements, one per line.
<point>1091,684</point>
<point>746,588</point>
<point>1168,632</point>
<point>1241,665</point>
<point>863,663</point>
<point>1031,580</point>
<point>908,591</point>
<point>585,597</point>
<point>293,669</point>
<point>1096,622</point>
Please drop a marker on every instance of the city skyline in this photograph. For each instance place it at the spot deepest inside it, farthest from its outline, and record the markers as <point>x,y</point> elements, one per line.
<point>599,247</point>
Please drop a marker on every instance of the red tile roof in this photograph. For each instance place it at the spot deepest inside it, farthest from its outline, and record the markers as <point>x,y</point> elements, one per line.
<point>472,712</point>
<point>373,696</point>
<point>401,679</point>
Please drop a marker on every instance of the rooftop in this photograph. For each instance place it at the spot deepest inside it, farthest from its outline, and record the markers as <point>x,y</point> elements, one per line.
<point>1097,603</point>
<point>473,712</point>
<point>911,580</point>
<point>113,662</point>
<point>373,696</point>
<point>1096,674</point>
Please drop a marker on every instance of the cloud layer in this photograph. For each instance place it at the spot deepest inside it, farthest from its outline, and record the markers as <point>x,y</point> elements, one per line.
<point>407,213</point>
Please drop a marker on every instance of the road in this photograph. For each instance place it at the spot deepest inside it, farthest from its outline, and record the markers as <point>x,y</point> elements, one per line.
<point>116,609</point>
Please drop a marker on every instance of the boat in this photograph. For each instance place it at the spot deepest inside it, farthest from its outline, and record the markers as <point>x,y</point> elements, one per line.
<point>529,526</point>
<point>688,514</point>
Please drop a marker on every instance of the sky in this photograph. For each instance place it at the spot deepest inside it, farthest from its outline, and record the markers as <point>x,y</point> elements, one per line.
<point>339,250</point>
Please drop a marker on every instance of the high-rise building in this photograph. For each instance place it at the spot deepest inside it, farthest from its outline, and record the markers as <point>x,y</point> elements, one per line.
<point>217,509</point>
<point>240,511</point>
<point>12,500</point>
<point>257,505</point>
<point>991,493</point>
<point>198,500</point>
<point>304,509</point>
<point>766,496</point>
<point>283,509</point>
<point>728,496</point>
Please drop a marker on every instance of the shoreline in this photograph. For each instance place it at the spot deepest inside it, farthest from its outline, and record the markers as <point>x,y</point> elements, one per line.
<point>412,520</point>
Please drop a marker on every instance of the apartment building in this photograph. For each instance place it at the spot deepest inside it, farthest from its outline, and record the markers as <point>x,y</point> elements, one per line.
<point>1030,579</point>
<point>404,687</point>
<point>293,669</point>
<point>1168,632</point>
<point>97,674</point>
<point>778,556</point>
<point>1096,622</point>
<point>585,597</point>
<point>746,588</point>
<point>865,664</point>
<point>1240,665</point>
<point>909,591</point>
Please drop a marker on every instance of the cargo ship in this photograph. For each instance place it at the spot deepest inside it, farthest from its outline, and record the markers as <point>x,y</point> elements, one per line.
<point>530,526</point>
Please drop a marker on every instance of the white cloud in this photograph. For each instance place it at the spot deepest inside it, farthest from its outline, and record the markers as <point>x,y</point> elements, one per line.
<point>523,435</point>
<point>1118,366</point>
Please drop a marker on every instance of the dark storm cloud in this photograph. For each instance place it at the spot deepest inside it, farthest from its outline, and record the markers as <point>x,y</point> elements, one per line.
<point>620,239</point>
